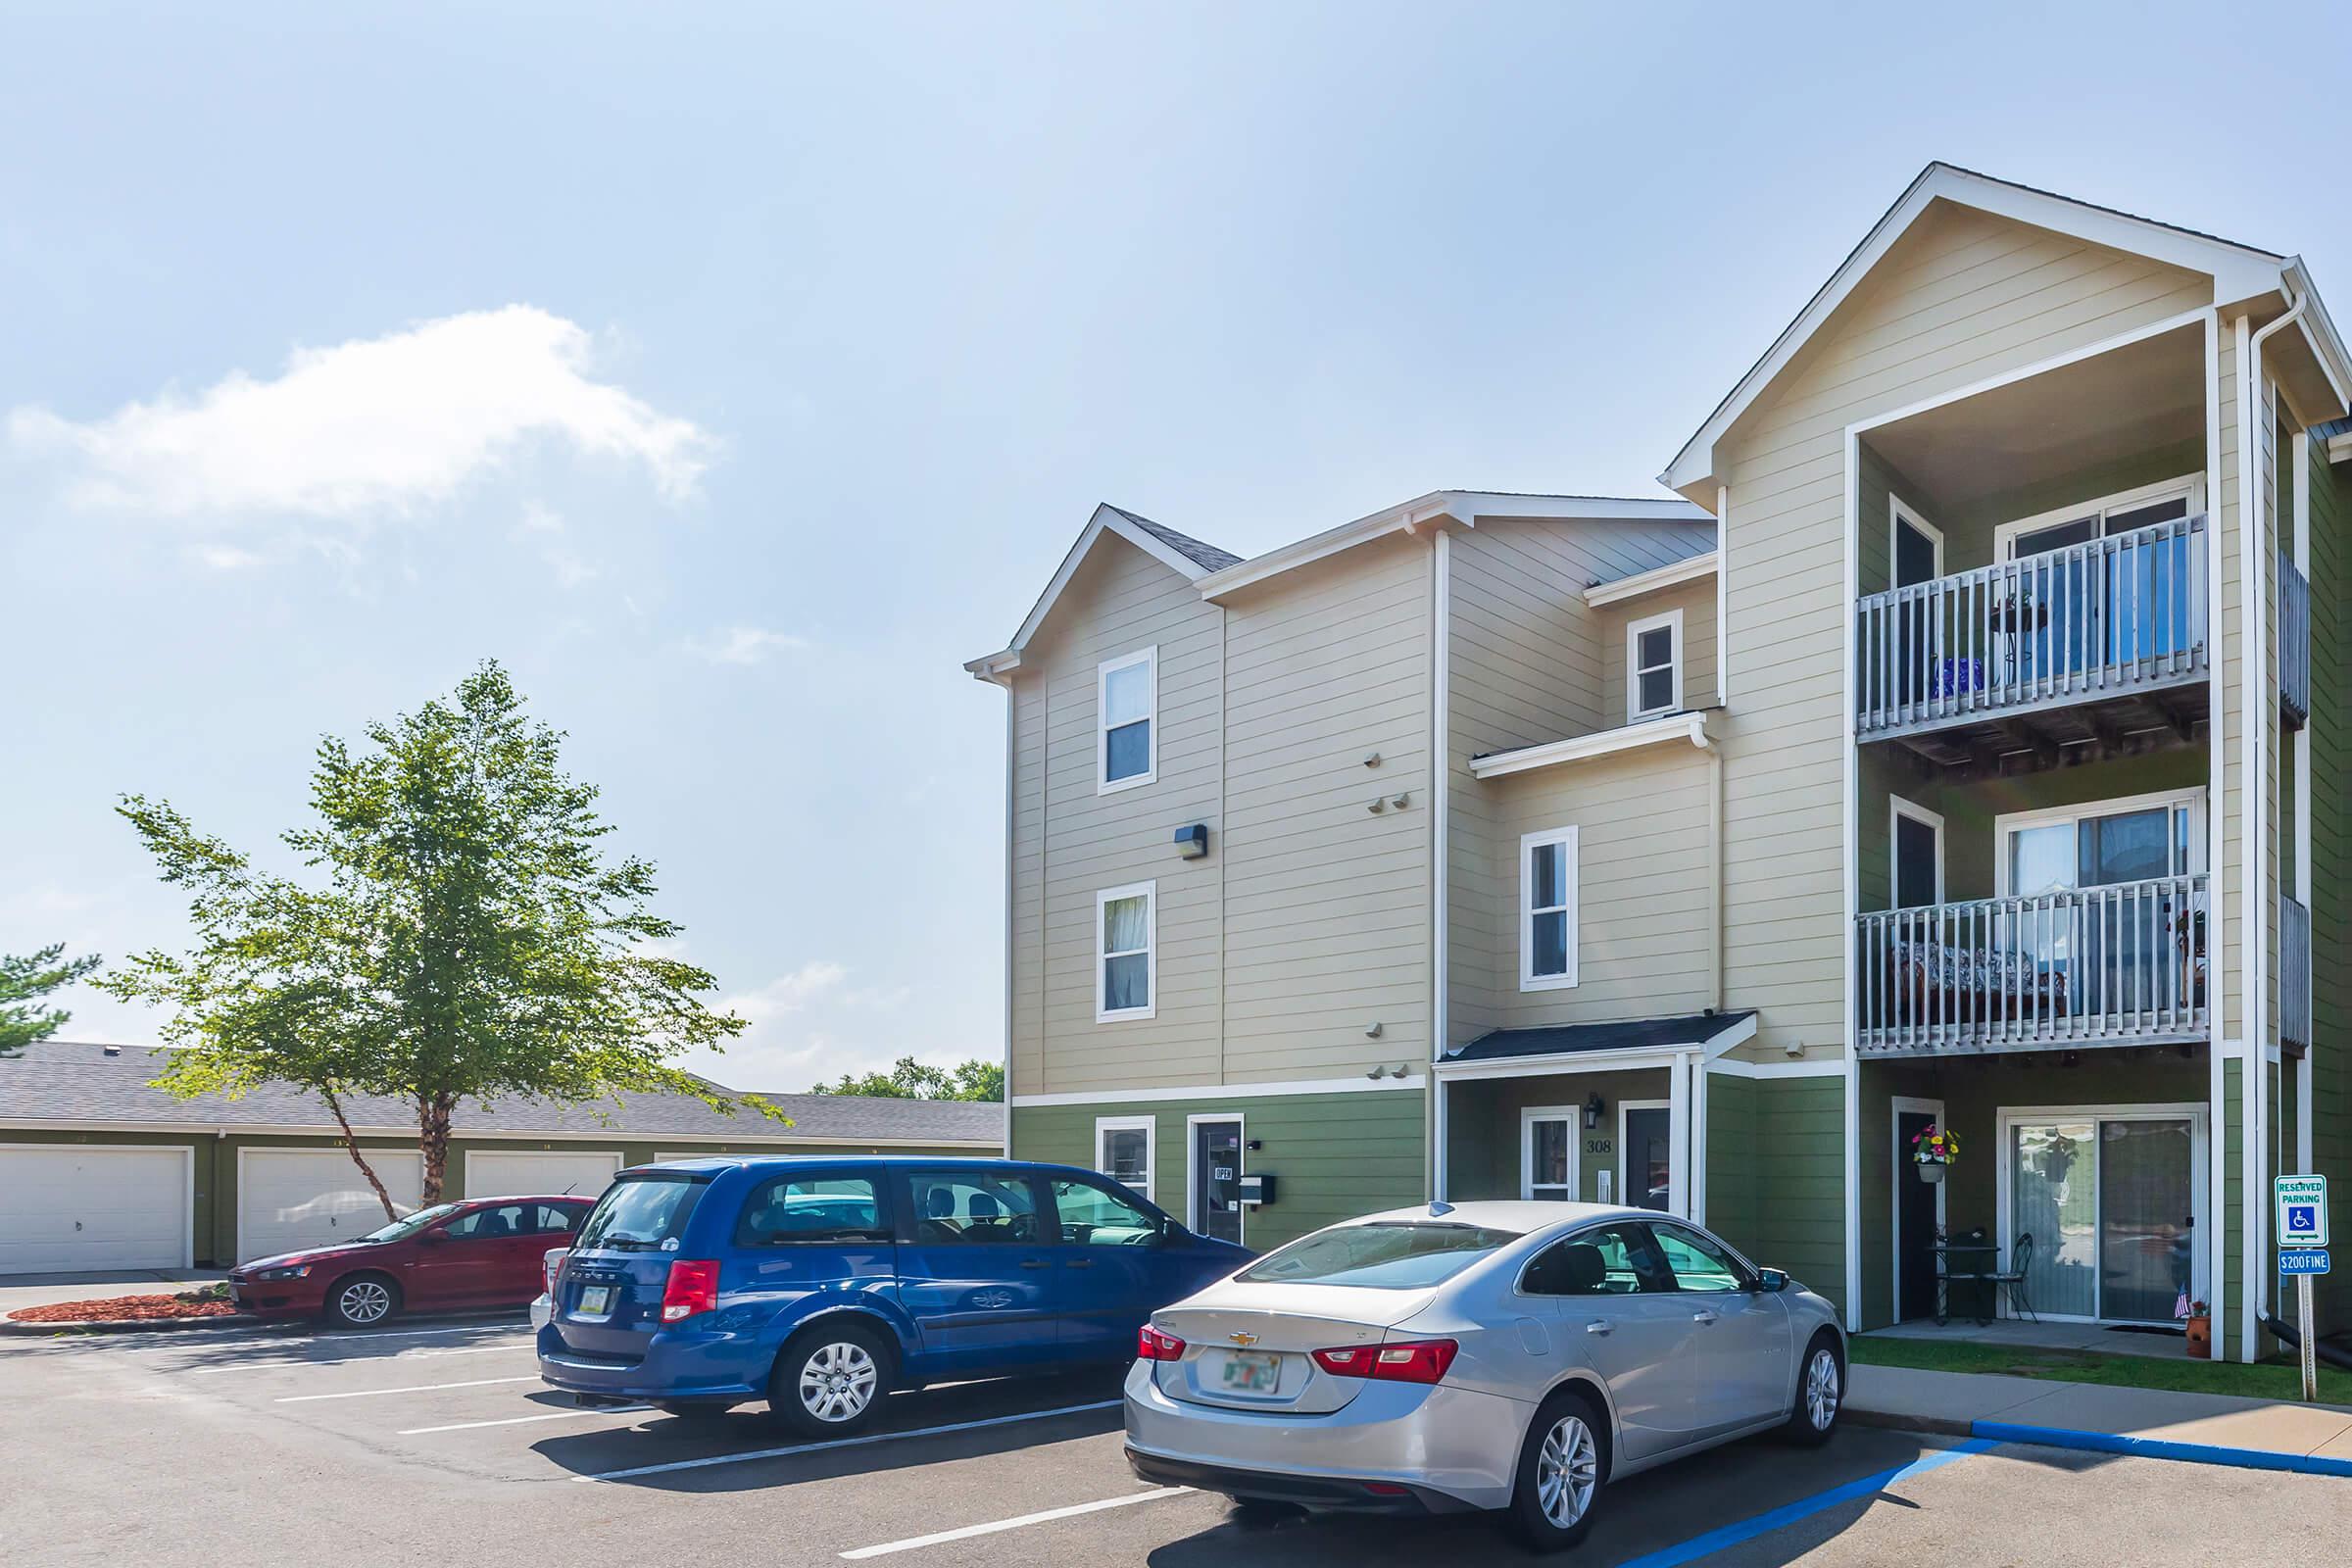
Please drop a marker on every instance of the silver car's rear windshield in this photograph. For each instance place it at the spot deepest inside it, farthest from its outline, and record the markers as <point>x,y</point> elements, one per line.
<point>1389,1256</point>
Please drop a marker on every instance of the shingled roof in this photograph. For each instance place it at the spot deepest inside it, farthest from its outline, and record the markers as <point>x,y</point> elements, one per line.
<point>57,1083</point>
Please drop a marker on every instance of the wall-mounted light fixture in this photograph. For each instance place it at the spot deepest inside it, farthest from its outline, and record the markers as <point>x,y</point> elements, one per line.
<point>1594,1112</point>
<point>1191,843</point>
<point>1372,1031</point>
<point>1400,802</point>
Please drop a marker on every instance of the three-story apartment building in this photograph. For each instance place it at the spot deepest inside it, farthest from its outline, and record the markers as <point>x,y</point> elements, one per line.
<point>1960,749</point>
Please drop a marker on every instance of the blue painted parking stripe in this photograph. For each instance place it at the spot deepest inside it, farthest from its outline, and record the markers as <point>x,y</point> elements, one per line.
<point>2160,1448</point>
<point>1765,1523</point>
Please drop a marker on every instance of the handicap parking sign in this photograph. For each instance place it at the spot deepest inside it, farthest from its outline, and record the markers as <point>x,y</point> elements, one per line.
<point>2302,1210</point>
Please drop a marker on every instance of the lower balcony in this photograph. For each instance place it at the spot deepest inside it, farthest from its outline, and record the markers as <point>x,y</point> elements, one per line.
<point>2118,964</point>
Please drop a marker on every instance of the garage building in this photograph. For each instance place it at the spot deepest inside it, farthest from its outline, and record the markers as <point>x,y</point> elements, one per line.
<point>99,1170</point>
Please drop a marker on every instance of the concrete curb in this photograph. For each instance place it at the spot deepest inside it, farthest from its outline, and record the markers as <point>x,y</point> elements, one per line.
<point>128,1325</point>
<point>2103,1442</point>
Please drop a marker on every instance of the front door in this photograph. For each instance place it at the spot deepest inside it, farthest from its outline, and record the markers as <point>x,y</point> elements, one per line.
<point>1918,1214</point>
<point>2104,1210</point>
<point>1547,1154</point>
<point>1646,1151</point>
<point>1216,1163</point>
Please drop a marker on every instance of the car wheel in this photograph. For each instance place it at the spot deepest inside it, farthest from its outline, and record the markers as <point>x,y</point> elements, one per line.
<point>1562,1468</point>
<point>1820,1393</point>
<point>362,1301</point>
<point>830,1379</point>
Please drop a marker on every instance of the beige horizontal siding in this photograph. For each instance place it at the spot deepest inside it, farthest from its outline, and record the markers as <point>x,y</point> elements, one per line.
<point>1697,601</point>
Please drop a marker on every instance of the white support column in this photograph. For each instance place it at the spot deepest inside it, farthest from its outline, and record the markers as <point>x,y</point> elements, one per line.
<point>1441,837</point>
<point>1678,1137</point>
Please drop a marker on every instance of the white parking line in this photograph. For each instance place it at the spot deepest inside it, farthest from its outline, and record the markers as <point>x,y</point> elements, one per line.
<point>841,1443</point>
<point>351,1360</point>
<point>414,1388</point>
<point>519,1420</point>
<point>969,1531</point>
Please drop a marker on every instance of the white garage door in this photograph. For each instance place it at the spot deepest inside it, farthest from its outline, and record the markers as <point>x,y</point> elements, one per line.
<point>87,1207</point>
<point>295,1198</point>
<point>526,1173</point>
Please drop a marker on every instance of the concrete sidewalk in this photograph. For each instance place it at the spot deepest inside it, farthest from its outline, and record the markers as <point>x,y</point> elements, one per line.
<point>42,1289</point>
<point>2155,1423</point>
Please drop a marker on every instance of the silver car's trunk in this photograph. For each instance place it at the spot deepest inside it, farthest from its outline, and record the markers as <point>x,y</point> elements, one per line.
<point>1237,1336</point>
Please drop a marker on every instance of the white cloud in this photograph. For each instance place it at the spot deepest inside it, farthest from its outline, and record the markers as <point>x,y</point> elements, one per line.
<point>368,426</point>
<point>743,645</point>
<point>813,1025</point>
<point>226,558</point>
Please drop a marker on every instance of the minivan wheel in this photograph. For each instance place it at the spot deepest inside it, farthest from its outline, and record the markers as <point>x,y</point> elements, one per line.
<point>1820,1393</point>
<point>363,1301</point>
<point>1562,1468</point>
<point>830,1379</point>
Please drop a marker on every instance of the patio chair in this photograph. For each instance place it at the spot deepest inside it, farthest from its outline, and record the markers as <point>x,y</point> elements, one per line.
<point>2012,1280</point>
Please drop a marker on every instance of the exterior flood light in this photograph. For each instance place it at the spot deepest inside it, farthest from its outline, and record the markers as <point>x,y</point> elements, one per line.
<point>1191,843</point>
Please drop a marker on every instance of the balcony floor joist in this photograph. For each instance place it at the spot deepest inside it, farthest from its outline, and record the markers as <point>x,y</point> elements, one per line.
<point>2059,731</point>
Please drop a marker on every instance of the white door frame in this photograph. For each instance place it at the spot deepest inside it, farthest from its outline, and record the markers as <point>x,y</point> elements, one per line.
<point>2006,823</point>
<point>2200,1159</point>
<point>1898,809</point>
<point>1672,1177</point>
<point>187,1181</point>
<point>2005,534</point>
<point>1192,1162</point>
<point>1528,1115</point>
<point>1901,514</point>
<point>1916,1107</point>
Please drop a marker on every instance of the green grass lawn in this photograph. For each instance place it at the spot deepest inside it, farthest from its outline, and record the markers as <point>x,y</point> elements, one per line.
<point>2266,1381</point>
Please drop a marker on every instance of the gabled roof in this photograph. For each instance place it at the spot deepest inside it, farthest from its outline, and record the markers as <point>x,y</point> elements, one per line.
<point>2239,272</point>
<point>1180,553</point>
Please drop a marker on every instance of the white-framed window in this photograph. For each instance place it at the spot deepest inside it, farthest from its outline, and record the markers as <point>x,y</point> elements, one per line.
<point>1548,910</point>
<point>1127,720</point>
<point>1126,956</point>
<point>1123,1149</point>
<point>1653,666</point>
<point>2166,501</point>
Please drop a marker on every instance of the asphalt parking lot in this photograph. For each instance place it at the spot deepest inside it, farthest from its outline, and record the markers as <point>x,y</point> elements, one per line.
<point>437,1442</point>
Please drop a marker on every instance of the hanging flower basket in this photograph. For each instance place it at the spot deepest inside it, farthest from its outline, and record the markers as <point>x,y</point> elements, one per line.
<point>1933,1152</point>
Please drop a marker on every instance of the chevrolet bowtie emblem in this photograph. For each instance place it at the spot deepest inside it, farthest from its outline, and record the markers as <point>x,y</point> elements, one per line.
<point>1242,1338</point>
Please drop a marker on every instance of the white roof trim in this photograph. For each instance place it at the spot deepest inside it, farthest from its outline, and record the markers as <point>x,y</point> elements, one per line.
<point>2339,448</point>
<point>1690,727</point>
<point>1674,574</point>
<point>1463,506</point>
<point>472,1135</point>
<point>2238,272</point>
<point>1107,519</point>
<point>1544,1063</point>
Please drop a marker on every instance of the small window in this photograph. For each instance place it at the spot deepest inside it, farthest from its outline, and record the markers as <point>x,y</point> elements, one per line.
<point>809,1208</point>
<point>555,1217</point>
<point>1614,1260</point>
<point>1653,666</point>
<point>490,1224</point>
<point>1548,910</point>
<point>972,1207</point>
<point>1126,968</point>
<point>1123,1151</point>
<point>1698,1264</point>
<point>1127,701</point>
<point>1097,1216</point>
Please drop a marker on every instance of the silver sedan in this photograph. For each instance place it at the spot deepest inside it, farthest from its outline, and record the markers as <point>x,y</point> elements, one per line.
<point>1511,1357</point>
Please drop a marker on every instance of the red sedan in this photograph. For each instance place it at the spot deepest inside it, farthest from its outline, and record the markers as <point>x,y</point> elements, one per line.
<point>483,1252</point>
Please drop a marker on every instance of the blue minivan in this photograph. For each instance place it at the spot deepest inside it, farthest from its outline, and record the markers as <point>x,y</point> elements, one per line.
<point>821,1284</point>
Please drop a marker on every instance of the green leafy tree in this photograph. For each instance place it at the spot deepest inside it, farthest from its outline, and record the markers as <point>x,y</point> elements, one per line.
<point>916,1080</point>
<point>462,937</point>
<point>24,982</point>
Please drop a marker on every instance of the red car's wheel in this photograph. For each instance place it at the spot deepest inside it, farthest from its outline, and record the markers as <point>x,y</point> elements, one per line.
<point>363,1300</point>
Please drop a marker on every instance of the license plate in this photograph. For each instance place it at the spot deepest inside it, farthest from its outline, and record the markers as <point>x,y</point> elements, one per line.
<point>1251,1373</point>
<point>595,1299</point>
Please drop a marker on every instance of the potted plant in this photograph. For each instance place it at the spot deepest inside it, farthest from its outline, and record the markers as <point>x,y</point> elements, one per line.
<point>2200,1321</point>
<point>1932,1150</point>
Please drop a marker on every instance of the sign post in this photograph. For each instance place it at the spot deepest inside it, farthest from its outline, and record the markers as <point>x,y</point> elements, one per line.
<point>2303,1252</point>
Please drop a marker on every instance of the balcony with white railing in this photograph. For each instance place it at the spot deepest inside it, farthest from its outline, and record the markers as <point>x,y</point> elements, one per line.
<point>2086,643</point>
<point>2113,965</point>
<point>2294,643</point>
<point>2294,972</point>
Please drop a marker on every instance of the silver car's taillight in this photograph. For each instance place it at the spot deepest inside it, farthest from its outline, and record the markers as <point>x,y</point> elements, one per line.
<point>552,1267</point>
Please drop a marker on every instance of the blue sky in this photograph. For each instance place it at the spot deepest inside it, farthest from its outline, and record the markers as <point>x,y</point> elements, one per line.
<point>735,374</point>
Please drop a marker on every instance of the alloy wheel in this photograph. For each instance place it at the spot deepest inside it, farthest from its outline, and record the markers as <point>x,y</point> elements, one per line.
<point>365,1301</point>
<point>1821,1389</point>
<point>1567,1471</point>
<point>837,1381</point>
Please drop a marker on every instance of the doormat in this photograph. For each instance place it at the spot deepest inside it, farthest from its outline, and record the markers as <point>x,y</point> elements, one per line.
<point>2147,1328</point>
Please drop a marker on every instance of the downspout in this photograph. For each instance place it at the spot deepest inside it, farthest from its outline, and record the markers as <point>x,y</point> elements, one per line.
<point>2255,918</point>
<point>2301,448</point>
<point>1440,754</point>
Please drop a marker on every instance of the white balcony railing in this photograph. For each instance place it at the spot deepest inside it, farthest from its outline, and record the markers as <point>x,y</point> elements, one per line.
<point>2294,972</point>
<point>2096,619</point>
<point>2294,642</point>
<point>2107,965</point>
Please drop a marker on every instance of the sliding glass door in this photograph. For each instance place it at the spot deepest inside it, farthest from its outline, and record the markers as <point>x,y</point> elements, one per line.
<point>2106,1204</point>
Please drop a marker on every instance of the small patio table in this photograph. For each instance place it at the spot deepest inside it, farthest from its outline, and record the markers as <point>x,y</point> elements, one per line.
<point>1977,1254</point>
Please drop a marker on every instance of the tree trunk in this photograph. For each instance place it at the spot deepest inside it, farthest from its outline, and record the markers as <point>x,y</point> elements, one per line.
<point>351,1146</point>
<point>432,1125</point>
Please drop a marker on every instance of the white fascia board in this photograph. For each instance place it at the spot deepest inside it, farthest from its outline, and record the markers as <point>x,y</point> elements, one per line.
<point>1725,1039</point>
<point>1687,728</point>
<point>1107,519</point>
<point>1218,1094</point>
<point>2237,272</point>
<point>2319,329</point>
<point>1564,1063</point>
<point>2339,448</point>
<point>611,1135</point>
<point>1465,508</point>
<point>1673,574</point>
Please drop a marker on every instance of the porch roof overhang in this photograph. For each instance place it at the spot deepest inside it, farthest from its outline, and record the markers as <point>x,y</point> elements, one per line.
<point>1597,1047</point>
<point>1690,726</point>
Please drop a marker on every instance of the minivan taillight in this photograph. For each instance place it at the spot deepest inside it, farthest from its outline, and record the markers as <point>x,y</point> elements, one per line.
<point>1154,1344</point>
<point>1405,1361</point>
<point>550,1267</point>
<point>692,1288</point>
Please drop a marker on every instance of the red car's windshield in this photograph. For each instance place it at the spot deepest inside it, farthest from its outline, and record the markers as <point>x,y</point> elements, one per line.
<point>400,1230</point>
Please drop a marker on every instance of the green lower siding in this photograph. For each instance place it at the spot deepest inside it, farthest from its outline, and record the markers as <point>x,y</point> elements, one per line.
<point>1333,1156</point>
<point>1776,1173</point>
<point>216,1162</point>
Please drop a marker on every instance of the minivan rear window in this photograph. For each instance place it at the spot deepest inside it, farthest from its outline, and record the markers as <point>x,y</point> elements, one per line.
<point>1388,1255</point>
<point>641,1213</point>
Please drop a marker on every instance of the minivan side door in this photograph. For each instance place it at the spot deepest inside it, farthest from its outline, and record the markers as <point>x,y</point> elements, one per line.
<point>1114,1265</point>
<point>1614,1301</point>
<point>977,1270</point>
<point>824,1231</point>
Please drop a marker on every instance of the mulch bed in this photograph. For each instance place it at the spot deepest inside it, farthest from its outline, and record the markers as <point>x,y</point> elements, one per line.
<point>122,1309</point>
